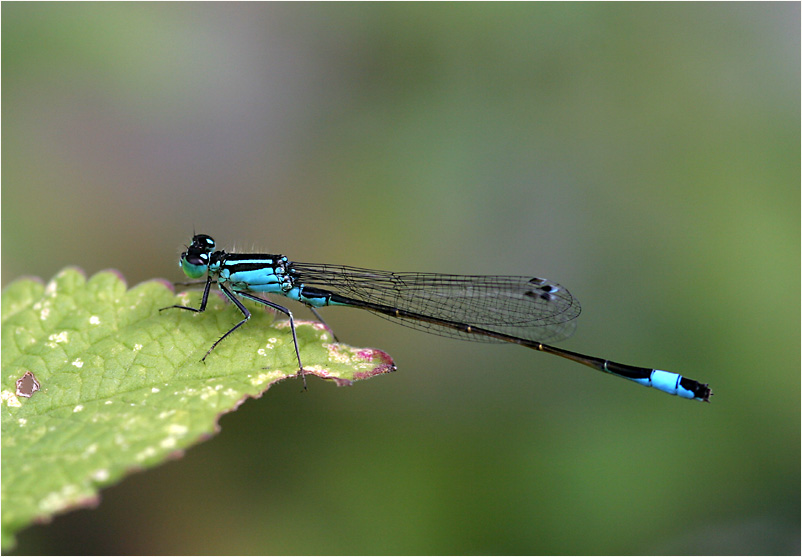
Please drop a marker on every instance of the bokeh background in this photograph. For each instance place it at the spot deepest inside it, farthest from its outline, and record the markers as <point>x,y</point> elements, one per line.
<point>647,156</point>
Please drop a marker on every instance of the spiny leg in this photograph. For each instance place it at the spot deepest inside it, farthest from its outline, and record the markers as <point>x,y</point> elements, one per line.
<point>202,308</point>
<point>242,308</point>
<point>277,307</point>
<point>203,300</point>
<point>319,318</point>
<point>191,282</point>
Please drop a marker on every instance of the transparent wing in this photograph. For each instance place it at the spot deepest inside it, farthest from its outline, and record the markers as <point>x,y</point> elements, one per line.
<point>527,307</point>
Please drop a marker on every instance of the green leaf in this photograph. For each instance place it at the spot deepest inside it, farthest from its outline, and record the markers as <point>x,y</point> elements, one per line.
<point>122,386</point>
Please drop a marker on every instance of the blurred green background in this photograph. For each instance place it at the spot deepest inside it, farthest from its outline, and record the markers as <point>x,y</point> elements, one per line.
<point>647,156</point>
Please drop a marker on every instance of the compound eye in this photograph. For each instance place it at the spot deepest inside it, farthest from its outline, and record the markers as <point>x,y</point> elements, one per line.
<point>195,265</point>
<point>196,258</point>
<point>203,241</point>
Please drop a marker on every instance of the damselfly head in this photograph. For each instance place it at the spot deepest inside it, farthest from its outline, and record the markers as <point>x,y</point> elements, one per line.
<point>195,261</point>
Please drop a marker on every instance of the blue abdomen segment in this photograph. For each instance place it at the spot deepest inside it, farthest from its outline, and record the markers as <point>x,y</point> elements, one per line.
<point>671,383</point>
<point>667,382</point>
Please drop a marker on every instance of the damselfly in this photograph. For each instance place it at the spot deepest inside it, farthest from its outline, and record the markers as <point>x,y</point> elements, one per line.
<point>520,310</point>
